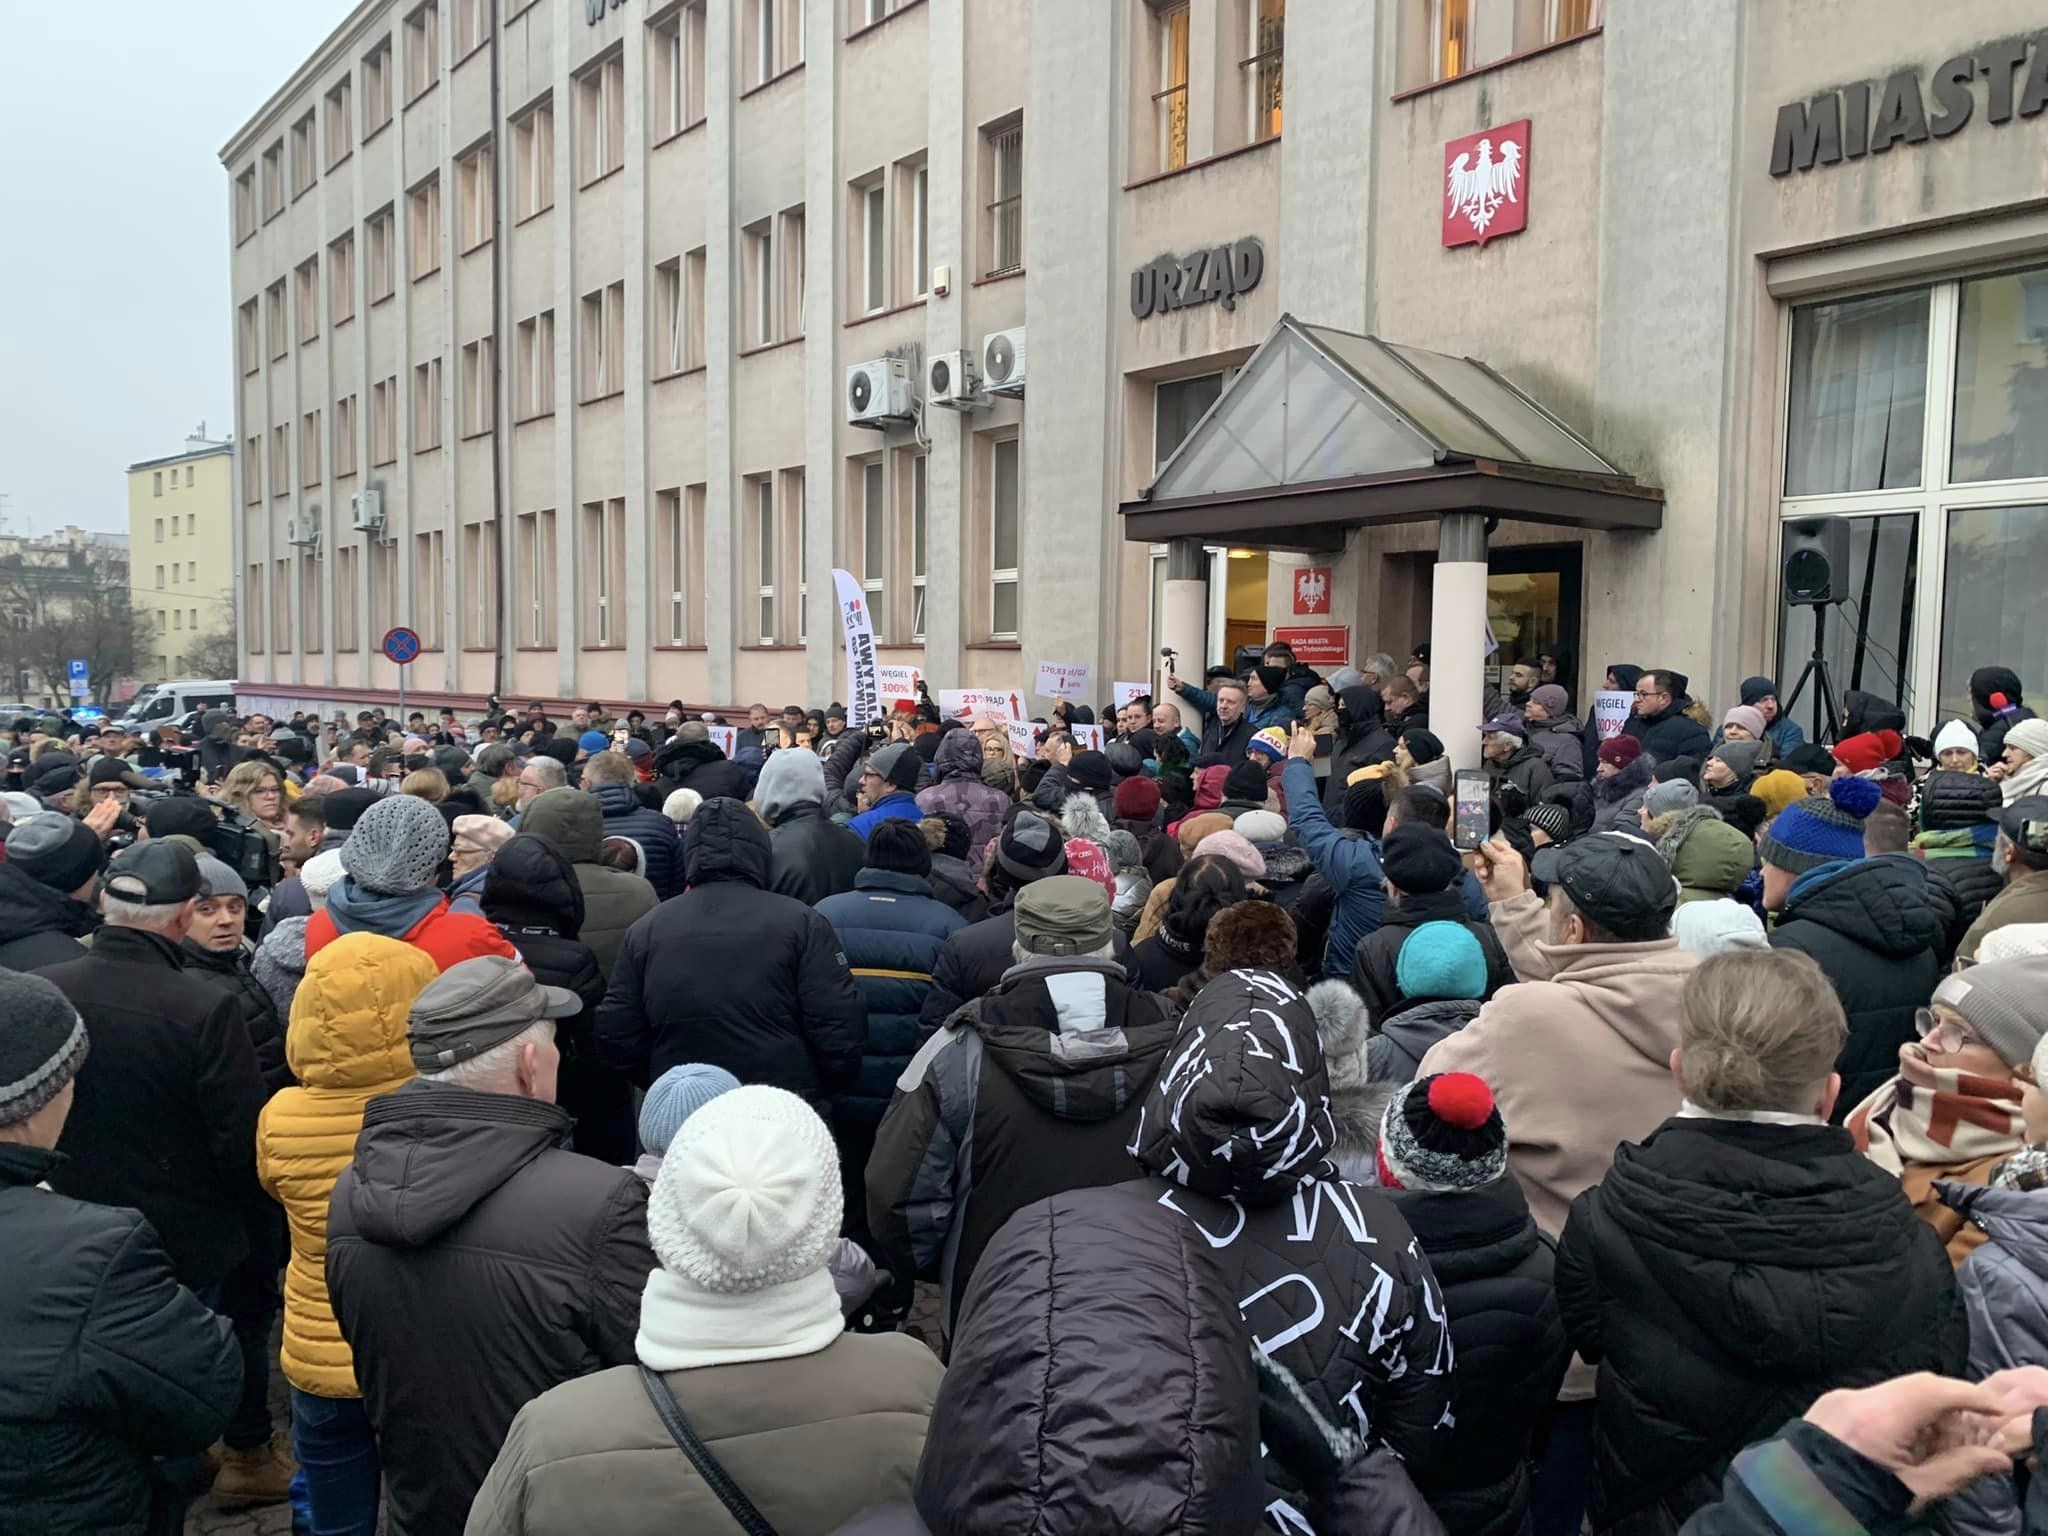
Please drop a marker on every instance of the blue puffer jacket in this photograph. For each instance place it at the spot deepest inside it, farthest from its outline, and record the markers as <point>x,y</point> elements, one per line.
<point>625,816</point>
<point>891,929</point>
<point>1350,863</point>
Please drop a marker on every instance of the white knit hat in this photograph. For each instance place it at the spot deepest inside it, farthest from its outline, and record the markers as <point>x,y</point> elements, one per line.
<point>748,1196</point>
<point>2012,942</point>
<point>1708,928</point>
<point>318,875</point>
<point>1953,735</point>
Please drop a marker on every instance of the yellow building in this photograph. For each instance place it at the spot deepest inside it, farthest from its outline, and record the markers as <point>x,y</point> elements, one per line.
<point>181,553</point>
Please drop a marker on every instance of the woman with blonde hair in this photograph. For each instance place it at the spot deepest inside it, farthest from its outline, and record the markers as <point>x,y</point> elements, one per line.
<point>428,784</point>
<point>256,788</point>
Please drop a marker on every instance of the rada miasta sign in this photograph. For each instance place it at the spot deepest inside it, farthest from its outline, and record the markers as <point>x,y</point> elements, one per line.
<point>1217,275</point>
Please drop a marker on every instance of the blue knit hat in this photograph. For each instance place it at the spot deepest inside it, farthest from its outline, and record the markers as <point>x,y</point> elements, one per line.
<point>593,742</point>
<point>1821,828</point>
<point>676,1095</point>
<point>1441,959</point>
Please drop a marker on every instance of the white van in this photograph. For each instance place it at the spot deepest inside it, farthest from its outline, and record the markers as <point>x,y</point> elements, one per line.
<point>165,703</point>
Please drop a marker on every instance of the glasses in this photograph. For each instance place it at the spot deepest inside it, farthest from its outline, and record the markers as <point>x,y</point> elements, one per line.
<point>1649,693</point>
<point>1945,1035</point>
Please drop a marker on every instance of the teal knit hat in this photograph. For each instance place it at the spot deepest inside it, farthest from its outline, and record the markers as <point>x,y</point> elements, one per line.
<point>1441,959</point>
<point>676,1095</point>
<point>1821,828</point>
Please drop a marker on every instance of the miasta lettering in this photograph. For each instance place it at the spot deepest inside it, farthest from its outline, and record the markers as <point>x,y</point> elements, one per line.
<point>1840,125</point>
<point>1217,275</point>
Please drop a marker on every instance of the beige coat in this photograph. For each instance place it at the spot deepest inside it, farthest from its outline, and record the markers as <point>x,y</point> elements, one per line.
<point>1577,1052</point>
<point>812,1440</point>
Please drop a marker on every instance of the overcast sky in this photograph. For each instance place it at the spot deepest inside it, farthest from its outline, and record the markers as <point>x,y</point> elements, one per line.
<point>115,326</point>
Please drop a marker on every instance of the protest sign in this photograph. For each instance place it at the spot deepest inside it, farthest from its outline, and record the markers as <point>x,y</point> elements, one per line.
<point>725,737</point>
<point>966,703</point>
<point>1063,680</point>
<point>899,683</point>
<point>1610,713</point>
<point>1125,692</point>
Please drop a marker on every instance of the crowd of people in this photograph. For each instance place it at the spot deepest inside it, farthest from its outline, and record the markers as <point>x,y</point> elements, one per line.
<point>871,1128</point>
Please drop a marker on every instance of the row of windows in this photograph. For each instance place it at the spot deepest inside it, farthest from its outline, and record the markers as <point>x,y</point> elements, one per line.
<point>191,573</point>
<point>158,478</point>
<point>191,523</point>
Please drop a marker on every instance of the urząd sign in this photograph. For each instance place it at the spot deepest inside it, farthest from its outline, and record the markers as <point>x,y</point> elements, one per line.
<point>1217,275</point>
<point>1841,124</point>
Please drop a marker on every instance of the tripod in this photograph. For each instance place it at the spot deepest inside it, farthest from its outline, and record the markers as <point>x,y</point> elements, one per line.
<point>1826,713</point>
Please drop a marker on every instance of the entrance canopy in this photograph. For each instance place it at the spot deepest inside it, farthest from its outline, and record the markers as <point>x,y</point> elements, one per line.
<point>1323,430</point>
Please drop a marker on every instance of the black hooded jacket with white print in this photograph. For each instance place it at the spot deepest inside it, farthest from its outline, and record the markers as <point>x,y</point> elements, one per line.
<point>1237,1130</point>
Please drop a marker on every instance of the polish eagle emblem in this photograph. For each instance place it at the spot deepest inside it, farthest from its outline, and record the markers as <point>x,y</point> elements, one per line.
<point>1479,182</point>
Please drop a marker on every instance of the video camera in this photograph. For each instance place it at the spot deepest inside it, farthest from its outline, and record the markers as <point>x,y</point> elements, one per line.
<point>235,838</point>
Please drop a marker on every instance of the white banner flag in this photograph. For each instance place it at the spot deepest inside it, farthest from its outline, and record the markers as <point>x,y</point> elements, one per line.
<point>863,686</point>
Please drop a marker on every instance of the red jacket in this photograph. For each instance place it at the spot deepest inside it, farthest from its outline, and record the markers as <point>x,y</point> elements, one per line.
<point>445,937</point>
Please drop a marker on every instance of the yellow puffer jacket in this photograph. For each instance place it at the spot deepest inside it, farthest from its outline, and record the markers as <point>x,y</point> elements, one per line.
<point>346,1045</point>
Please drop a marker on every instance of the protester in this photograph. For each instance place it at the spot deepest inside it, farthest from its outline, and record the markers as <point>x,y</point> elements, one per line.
<point>613,900</point>
<point>1658,719</point>
<point>1957,837</point>
<point>975,958</point>
<point>1361,739</point>
<point>1423,873</point>
<point>887,787</point>
<point>1999,705</point>
<point>347,1046</point>
<point>1443,1156</point>
<point>2022,765</point>
<point>1621,778</point>
<point>476,840</point>
<point>459,1223</point>
<point>216,949</point>
<point>812,857</point>
<point>732,974</point>
<point>1743,1258</point>
<point>1511,759</point>
<point>1555,732</point>
<point>1347,859</point>
<point>1028,1090</point>
<point>609,778</point>
<point>1247,936</point>
<point>112,1364</point>
<point>1206,885</point>
<point>957,789</point>
<point>47,884</point>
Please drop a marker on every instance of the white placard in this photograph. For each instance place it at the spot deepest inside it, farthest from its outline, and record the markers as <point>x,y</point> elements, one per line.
<point>967,703</point>
<point>899,682</point>
<point>1063,680</point>
<point>725,737</point>
<point>1610,713</point>
<point>1087,738</point>
<point>1125,692</point>
<point>1023,738</point>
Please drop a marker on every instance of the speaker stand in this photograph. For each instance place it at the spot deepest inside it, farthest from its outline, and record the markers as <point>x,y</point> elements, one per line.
<point>1826,712</point>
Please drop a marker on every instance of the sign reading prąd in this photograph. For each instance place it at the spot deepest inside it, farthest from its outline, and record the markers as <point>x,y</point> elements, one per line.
<point>1063,680</point>
<point>863,684</point>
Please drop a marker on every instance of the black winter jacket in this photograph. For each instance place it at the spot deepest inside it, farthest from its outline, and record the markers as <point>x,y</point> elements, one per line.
<point>1722,1276</point>
<point>699,765</point>
<point>1362,740</point>
<point>1992,726</point>
<point>231,973</point>
<point>1495,1269</point>
<point>626,816</point>
<point>732,974</point>
<point>165,1114</point>
<point>39,926</point>
<point>1670,733</point>
<point>110,1362</point>
<point>1372,972</point>
<point>811,856</point>
<point>1528,770</point>
<point>1870,926</point>
<point>1394,1050</point>
<point>1336,1289</point>
<point>473,1264</point>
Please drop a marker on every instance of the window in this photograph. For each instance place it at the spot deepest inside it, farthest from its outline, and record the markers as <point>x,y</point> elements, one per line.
<point>427,551</point>
<point>191,568</point>
<point>274,321</point>
<point>533,162</point>
<point>273,181</point>
<point>2001,411</point>
<point>480,570</point>
<point>757,283</point>
<point>307,294</point>
<point>309,450</point>
<point>1170,100</point>
<point>679,553</point>
<point>1858,393</point>
<point>474,213</point>
<point>1571,18</point>
<point>790,289</point>
<point>866,13</point>
<point>422,51</point>
<point>158,491</point>
<point>472,26</point>
<point>533,556</point>
<point>535,394</point>
<point>604,573</point>
<point>772,33</point>
<point>1003,216</point>
<point>1004,508</point>
<point>304,165</point>
<point>245,204</point>
<point>340,121</point>
<point>603,342</point>
<point>177,618</point>
<point>312,635</point>
<point>341,280</point>
<point>280,460</point>
<point>1264,68</point>
<point>600,120</point>
<point>426,405</point>
<point>376,88</point>
<point>676,72</point>
<point>345,599</point>
<point>868,539</point>
<point>761,525</point>
<point>248,339</point>
<point>191,518</point>
<point>384,421</point>
<point>1991,565</point>
<point>423,227</point>
<point>252,468</point>
<point>344,436</point>
<point>1176,406</point>
<point>252,596</point>
<point>679,314</point>
<point>381,236</point>
<point>383,557</point>
<point>917,237</point>
<point>479,386</point>
<point>869,231</point>
<point>918,504</point>
<point>1450,38</point>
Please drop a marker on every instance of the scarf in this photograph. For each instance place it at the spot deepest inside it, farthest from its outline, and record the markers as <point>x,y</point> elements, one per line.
<point>683,1325</point>
<point>357,909</point>
<point>2026,1169</point>
<point>1937,1116</point>
<point>1957,843</point>
<point>2030,778</point>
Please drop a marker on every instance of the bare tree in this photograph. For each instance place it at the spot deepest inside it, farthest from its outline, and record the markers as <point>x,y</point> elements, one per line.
<point>73,608</point>
<point>214,654</point>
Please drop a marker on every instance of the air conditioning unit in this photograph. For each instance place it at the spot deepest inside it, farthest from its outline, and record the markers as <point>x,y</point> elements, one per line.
<point>950,381</point>
<point>1002,362</point>
<point>303,530</point>
<point>878,393</point>
<point>368,510</point>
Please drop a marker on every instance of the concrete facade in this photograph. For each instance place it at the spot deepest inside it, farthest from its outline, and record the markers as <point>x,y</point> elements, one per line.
<point>1649,305</point>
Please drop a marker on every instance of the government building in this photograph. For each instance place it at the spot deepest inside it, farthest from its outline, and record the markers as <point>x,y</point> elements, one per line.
<point>587,337</point>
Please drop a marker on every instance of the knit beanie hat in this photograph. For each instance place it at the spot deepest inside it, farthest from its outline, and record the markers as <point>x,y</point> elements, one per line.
<point>1237,849</point>
<point>2012,942</point>
<point>1137,799</point>
<point>1443,1134</point>
<point>319,873</point>
<point>1247,781</point>
<point>2030,736</point>
<point>1273,679</point>
<point>1195,828</point>
<point>1756,688</point>
<point>1423,744</point>
<point>1619,750</point>
<point>1089,770</point>
<point>675,1096</point>
<point>1257,827</point>
<point>218,881</point>
<point>1708,928</point>
<point>42,1047</point>
<point>1748,717</point>
<point>1441,959</point>
<point>1090,862</point>
<point>1821,828</point>
<point>1778,789</point>
<point>748,1196</point>
<point>1740,755</point>
<point>1029,848</point>
<point>2005,1003</point>
<point>1321,697</point>
<point>1553,818</point>
<point>1870,751</point>
<point>1555,700</point>
<point>1955,736</point>
<point>485,833</point>
<point>899,764</point>
<point>54,850</point>
<point>1668,795</point>
<point>1122,849</point>
<point>397,846</point>
<point>593,742</point>
<point>1270,743</point>
<point>1419,859</point>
